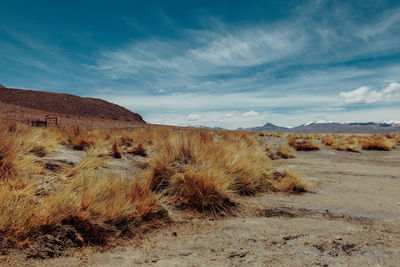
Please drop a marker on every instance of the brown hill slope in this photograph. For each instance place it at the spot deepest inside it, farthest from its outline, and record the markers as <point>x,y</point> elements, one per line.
<point>67,104</point>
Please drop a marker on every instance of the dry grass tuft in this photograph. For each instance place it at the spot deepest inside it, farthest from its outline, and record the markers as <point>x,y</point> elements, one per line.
<point>202,189</point>
<point>15,144</point>
<point>306,145</point>
<point>139,150</point>
<point>78,138</point>
<point>235,163</point>
<point>99,205</point>
<point>9,153</point>
<point>115,151</point>
<point>271,153</point>
<point>342,143</point>
<point>378,143</point>
<point>289,182</point>
<point>96,207</point>
<point>286,151</point>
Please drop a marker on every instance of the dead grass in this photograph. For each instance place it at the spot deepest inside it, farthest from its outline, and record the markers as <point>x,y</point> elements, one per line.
<point>95,206</point>
<point>377,143</point>
<point>306,145</point>
<point>342,143</point>
<point>235,161</point>
<point>139,150</point>
<point>197,170</point>
<point>16,143</point>
<point>203,189</point>
<point>78,138</point>
<point>356,143</point>
<point>288,182</point>
<point>99,205</point>
<point>9,155</point>
<point>115,153</point>
<point>286,151</point>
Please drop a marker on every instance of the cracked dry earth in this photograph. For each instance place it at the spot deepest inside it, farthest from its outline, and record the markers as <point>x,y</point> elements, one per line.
<point>351,218</point>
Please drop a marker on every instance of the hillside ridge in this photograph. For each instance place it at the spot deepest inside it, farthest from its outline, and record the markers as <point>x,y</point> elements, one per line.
<point>67,104</point>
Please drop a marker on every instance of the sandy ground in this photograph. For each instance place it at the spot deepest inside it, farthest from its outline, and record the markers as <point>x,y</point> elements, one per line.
<point>351,218</point>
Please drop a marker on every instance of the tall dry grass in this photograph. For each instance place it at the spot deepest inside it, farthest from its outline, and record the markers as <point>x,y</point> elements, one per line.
<point>213,165</point>
<point>356,143</point>
<point>305,145</point>
<point>192,169</point>
<point>377,143</point>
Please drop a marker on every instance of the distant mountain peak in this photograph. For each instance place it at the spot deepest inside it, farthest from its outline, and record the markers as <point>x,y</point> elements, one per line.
<point>390,122</point>
<point>319,122</point>
<point>268,124</point>
<point>323,126</point>
<point>2,86</point>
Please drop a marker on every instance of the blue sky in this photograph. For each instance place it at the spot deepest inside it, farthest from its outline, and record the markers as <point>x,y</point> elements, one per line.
<point>215,63</point>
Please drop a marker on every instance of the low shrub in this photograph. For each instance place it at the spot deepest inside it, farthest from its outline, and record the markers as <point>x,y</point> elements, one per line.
<point>285,151</point>
<point>306,145</point>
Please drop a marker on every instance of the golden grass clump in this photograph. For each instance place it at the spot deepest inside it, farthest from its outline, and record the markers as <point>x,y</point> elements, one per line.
<point>16,208</point>
<point>15,143</point>
<point>95,206</point>
<point>342,143</point>
<point>377,143</point>
<point>306,145</point>
<point>78,138</point>
<point>203,189</point>
<point>287,181</point>
<point>271,153</point>
<point>9,154</point>
<point>98,205</point>
<point>191,164</point>
<point>286,151</point>
<point>327,140</point>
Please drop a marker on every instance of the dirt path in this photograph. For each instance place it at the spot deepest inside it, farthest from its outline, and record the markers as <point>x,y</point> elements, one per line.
<point>352,218</point>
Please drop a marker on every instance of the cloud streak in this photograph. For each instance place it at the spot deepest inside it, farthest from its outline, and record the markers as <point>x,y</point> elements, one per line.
<point>364,94</point>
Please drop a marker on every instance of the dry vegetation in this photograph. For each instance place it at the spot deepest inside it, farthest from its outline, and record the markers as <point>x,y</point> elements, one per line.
<point>286,151</point>
<point>305,145</point>
<point>87,203</point>
<point>356,143</point>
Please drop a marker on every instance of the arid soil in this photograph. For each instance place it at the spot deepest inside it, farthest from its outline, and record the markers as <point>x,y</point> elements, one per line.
<point>351,217</point>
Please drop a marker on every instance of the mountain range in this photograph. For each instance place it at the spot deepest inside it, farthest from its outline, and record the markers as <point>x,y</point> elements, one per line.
<point>333,127</point>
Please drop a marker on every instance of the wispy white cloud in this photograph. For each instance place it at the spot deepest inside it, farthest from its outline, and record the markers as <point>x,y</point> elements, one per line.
<point>300,40</point>
<point>184,102</point>
<point>364,94</point>
<point>251,113</point>
<point>203,53</point>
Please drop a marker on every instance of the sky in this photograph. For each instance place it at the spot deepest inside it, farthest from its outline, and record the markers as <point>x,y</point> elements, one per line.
<point>213,63</point>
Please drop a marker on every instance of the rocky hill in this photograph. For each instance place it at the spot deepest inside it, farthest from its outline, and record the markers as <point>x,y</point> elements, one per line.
<point>67,104</point>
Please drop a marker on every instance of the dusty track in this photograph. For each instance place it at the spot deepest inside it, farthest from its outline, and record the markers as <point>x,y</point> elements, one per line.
<point>351,218</point>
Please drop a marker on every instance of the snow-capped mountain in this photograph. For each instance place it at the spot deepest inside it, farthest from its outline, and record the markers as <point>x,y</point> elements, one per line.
<point>323,126</point>
<point>318,122</point>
